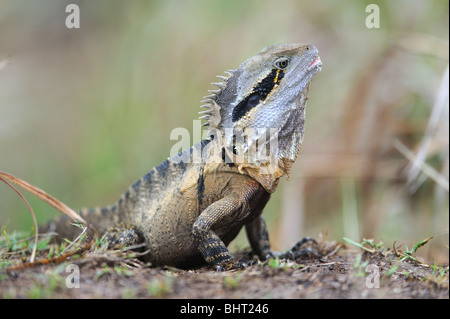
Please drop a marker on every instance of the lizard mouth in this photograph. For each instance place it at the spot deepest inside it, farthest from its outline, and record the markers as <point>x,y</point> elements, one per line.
<point>316,63</point>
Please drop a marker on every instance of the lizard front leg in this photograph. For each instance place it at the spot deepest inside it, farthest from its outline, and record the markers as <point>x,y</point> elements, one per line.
<point>220,214</point>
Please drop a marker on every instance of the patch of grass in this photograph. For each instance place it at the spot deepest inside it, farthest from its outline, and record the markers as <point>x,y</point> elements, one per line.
<point>404,255</point>
<point>231,282</point>
<point>159,288</point>
<point>440,275</point>
<point>14,242</point>
<point>359,268</point>
<point>277,263</point>
<point>391,271</point>
<point>368,242</point>
<point>105,270</point>
<point>46,286</point>
<point>19,246</point>
<point>408,255</point>
<point>128,293</point>
<point>116,270</point>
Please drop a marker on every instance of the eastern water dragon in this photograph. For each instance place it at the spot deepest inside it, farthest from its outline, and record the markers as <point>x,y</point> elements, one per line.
<point>189,208</point>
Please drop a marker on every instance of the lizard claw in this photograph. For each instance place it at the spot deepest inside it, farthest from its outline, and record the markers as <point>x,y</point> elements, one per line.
<point>307,252</point>
<point>296,252</point>
<point>231,265</point>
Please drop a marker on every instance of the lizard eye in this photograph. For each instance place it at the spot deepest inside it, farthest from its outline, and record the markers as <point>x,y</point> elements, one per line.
<point>281,63</point>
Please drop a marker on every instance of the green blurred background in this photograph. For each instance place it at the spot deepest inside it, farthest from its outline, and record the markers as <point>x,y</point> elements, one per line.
<point>85,112</point>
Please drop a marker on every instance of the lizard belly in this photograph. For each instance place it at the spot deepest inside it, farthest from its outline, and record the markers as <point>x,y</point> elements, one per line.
<point>166,222</point>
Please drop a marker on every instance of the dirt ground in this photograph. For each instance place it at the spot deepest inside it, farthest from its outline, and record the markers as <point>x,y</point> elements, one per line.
<point>337,271</point>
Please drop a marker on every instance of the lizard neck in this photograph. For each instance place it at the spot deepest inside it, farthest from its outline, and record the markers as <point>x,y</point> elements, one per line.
<point>278,147</point>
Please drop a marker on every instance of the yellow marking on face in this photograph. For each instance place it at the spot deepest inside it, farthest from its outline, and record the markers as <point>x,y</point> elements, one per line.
<point>276,77</point>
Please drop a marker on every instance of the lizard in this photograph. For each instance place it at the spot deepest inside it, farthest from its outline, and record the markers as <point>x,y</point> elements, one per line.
<point>189,208</point>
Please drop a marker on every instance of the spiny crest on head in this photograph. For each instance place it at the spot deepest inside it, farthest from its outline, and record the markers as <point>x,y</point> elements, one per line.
<point>211,114</point>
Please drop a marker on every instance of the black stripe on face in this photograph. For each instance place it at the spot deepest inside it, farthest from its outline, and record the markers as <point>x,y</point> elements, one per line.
<point>259,94</point>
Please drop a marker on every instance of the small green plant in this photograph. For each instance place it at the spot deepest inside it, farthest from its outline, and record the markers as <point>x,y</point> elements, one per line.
<point>277,263</point>
<point>373,248</point>
<point>359,268</point>
<point>439,275</point>
<point>46,287</point>
<point>105,270</point>
<point>231,282</point>
<point>408,254</point>
<point>15,241</point>
<point>118,270</point>
<point>160,287</point>
<point>391,271</point>
<point>128,293</point>
<point>122,271</point>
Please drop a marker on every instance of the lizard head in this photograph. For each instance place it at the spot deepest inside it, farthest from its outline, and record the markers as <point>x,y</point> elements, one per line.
<point>262,103</point>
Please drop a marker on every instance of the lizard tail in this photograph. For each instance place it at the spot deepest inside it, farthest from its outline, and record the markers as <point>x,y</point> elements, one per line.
<point>100,218</point>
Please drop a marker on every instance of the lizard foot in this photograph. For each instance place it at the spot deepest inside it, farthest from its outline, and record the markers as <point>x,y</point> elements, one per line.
<point>296,251</point>
<point>231,265</point>
<point>124,237</point>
